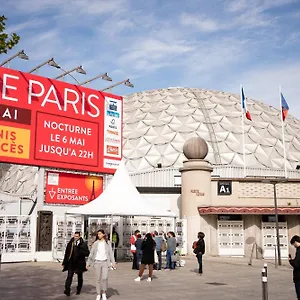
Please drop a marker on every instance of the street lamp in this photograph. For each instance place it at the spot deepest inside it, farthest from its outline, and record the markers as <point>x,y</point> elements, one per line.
<point>125,82</point>
<point>50,62</point>
<point>20,54</point>
<point>275,181</point>
<point>78,69</point>
<point>103,76</point>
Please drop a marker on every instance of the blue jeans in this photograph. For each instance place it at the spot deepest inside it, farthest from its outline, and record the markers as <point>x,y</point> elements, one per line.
<point>159,259</point>
<point>199,257</point>
<point>170,264</point>
<point>139,255</point>
<point>297,287</point>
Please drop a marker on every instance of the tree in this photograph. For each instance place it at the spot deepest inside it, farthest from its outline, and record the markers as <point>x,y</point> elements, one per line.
<point>6,42</point>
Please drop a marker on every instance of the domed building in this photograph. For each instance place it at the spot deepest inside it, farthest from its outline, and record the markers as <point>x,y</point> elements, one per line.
<point>249,161</point>
<point>228,193</point>
<point>157,123</point>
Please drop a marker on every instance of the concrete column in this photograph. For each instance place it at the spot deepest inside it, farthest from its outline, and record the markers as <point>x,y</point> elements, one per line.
<point>208,225</point>
<point>40,190</point>
<point>195,192</point>
<point>293,224</point>
<point>252,234</point>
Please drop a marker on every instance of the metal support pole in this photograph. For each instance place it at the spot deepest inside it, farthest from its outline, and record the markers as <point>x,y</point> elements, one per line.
<point>264,281</point>
<point>276,261</point>
<point>277,225</point>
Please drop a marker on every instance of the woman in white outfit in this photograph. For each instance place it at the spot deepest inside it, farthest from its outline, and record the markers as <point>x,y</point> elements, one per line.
<point>102,258</point>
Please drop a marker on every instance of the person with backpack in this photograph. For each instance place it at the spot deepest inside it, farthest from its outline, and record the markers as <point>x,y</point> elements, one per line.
<point>199,250</point>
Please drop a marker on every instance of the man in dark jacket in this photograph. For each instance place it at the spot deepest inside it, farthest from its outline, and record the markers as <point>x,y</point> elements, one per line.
<point>295,263</point>
<point>200,250</point>
<point>74,262</point>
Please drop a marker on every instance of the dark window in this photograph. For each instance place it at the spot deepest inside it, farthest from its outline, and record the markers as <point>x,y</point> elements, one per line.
<point>230,217</point>
<point>271,218</point>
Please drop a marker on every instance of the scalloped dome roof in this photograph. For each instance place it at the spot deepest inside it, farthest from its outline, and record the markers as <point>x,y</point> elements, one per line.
<point>157,123</point>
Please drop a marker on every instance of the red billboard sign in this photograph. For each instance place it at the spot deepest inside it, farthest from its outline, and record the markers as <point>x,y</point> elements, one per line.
<point>50,123</point>
<point>68,188</point>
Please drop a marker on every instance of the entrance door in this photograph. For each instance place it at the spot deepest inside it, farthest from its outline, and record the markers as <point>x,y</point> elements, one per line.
<point>269,239</point>
<point>231,238</point>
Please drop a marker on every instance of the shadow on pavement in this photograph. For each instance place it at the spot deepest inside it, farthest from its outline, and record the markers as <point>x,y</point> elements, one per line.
<point>42,283</point>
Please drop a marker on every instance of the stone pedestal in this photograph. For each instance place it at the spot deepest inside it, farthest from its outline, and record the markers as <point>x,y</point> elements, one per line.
<point>195,192</point>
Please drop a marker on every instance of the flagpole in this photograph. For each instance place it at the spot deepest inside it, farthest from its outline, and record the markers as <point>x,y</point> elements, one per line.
<point>243,133</point>
<point>282,130</point>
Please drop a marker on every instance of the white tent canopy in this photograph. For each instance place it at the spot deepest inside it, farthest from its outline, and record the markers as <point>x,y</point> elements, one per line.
<point>120,198</point>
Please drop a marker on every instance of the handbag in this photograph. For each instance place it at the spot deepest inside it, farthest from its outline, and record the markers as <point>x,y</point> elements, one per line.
<point>163,247</point>
<point>174,257</point>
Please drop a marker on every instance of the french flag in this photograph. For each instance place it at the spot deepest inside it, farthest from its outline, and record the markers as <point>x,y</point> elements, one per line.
<point>244,105</point>
<point>284,107</point>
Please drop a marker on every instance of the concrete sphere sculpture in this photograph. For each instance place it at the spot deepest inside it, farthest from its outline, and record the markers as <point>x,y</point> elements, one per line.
<point>195,148</point>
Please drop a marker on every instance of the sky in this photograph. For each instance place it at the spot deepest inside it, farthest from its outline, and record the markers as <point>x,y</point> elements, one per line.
<point>217,44</point>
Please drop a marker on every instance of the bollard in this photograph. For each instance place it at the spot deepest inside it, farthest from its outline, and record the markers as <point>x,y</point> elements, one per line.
<point>264,281</point>
<point>266,269</point>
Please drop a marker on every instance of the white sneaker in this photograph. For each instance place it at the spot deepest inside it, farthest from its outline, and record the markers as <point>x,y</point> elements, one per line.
<point>104,297</point>
<point>98,297</point>
<point>137,279</point>
<point>149,279</point>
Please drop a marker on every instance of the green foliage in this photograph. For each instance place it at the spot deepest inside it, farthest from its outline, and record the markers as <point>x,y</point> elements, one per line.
<point>6,42</point>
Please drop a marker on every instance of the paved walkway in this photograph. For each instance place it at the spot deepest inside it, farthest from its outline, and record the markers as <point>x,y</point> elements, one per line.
<point>222,279</point>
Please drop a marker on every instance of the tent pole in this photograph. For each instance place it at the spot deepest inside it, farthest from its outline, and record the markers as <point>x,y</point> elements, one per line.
<point>65,229</point>
<point>111,230</point>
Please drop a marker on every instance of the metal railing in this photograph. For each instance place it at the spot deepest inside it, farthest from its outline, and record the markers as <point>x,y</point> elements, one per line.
<point>166,177</point>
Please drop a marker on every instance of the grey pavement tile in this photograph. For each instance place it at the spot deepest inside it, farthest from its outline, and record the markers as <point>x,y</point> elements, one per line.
<point>222,280</point>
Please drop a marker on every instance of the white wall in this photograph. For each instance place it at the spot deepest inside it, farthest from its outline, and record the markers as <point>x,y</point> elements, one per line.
<point>164,201</point>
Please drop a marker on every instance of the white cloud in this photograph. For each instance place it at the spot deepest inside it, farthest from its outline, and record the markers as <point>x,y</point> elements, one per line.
<point>242,6</point>
<point>91,7</point>
<point>262,83</point>
<point>211,59</point>
<point>20,27</point>
<point>236,5</point>
<point>148,54</point>
<point>200,22</point>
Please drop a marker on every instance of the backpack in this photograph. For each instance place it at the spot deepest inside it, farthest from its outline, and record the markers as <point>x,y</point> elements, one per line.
<point>163,246</point>
<point>195,245</point>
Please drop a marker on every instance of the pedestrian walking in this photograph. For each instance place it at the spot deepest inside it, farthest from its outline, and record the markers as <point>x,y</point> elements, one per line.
<point>295,263</point>
<point>199,250</point>
<point>102,258</point>
<point>74,262</point>
<point>133,239</point>
<point>148,248</point>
